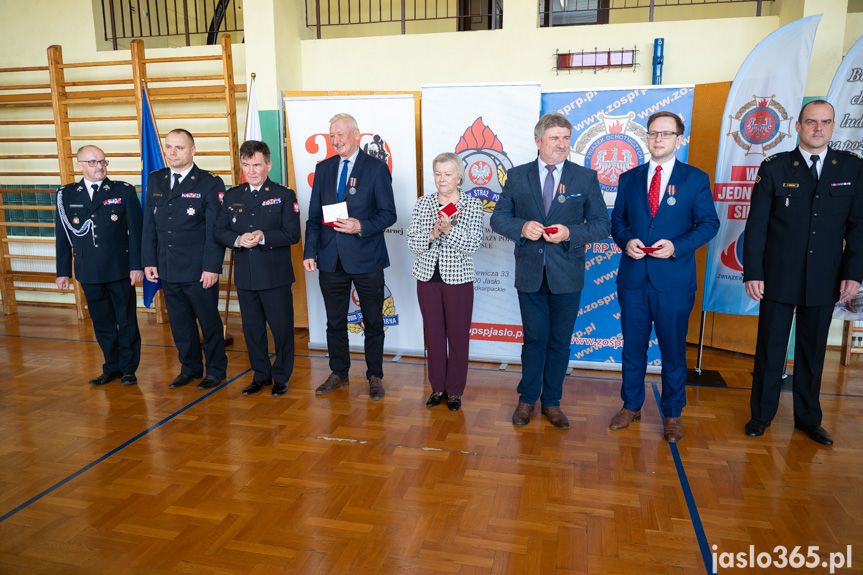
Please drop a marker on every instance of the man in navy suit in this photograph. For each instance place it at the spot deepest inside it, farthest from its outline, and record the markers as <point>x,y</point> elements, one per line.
<point>99,220</point>
<point>352,251</point>
<point>666,205</point>
<point>550,192</point>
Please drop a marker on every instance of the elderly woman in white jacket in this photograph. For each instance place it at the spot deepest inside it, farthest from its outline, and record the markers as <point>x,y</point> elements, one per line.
<point>445,274</point>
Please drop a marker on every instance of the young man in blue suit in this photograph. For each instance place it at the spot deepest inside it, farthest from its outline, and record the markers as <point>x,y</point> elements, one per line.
<point>663,213</point>
<point>351,252</point>
<point>550,192</point>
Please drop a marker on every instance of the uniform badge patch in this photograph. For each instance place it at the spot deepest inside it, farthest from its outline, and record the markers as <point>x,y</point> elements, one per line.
<point>221,196</point>
<point>76,221</point>
<point>191,211</point>
<point>296,207</point>
<point>114,217</point>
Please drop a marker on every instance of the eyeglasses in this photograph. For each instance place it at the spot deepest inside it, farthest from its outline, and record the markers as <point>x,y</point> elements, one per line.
<point>661,135</point>
<point>94,163</point>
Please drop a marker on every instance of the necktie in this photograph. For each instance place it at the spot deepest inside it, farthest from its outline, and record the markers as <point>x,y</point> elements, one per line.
<point>548,188</point>
<point>814,167</point>
<point>176,180</point>
<point>653,192</point>
<point>343,180</point>
<point>95,188</point>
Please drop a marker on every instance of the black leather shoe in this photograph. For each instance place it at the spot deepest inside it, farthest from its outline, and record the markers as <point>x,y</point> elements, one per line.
<point>129,379</point>
<point>435,398</point>
<point>816,432</point>
<point>280,389</point>
<point>182,379</point>
<point>104,378</point>
<point>209,382</point>
<point>454,402</point>
<point>257,386</point>
<point>756,427</point>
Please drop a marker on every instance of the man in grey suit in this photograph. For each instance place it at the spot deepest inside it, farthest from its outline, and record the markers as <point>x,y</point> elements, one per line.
<point>550,208</point>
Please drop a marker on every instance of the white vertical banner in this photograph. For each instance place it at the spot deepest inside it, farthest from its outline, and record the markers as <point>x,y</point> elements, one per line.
<point>491,127</point>
<point>387,131</point>
<point>846,95</point>
<point>759,118</point>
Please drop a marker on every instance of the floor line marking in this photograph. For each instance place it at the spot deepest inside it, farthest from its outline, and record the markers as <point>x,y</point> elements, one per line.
<point>700,535</point>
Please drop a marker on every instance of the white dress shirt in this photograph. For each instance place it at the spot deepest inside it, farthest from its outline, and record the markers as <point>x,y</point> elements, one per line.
<point>665,175</point>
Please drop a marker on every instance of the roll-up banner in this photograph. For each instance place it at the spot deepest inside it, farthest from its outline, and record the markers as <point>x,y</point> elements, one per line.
<point>846,95</point>
<point>388,131</point>
<point>758,121</point>
<point>491,127</point>
<point>609,135</point>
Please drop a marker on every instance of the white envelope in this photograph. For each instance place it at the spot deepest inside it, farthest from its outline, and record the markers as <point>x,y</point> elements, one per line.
<point>333,212</point>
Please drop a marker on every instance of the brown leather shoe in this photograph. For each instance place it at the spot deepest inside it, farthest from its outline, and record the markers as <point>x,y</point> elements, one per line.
<point>623,418</point>
<point>376,388</point>
<point>332,383</point>
<point>521,415</point>
<point>556,417</point>
<point>673,429</point>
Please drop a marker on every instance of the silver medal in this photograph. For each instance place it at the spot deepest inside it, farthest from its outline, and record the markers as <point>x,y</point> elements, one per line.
<point>561,198</point>
<point>234,221</point>
<point>352,191</point>
<point>672,201</point>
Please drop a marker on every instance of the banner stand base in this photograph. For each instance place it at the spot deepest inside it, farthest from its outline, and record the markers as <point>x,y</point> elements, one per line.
<point>503,366</point>
<point>706,377</point>
<point>396,358</point>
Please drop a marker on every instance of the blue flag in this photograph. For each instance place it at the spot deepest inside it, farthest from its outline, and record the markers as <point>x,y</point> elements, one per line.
<point>151,159</point>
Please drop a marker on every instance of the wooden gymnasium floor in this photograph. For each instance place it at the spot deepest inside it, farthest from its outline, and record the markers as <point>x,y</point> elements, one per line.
<point>150,480</point>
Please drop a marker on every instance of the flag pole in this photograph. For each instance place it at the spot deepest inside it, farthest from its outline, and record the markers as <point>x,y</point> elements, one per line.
<point>229,339</point>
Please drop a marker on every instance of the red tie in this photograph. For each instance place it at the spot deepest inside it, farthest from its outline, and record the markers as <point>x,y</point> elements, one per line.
<point>653,192</point>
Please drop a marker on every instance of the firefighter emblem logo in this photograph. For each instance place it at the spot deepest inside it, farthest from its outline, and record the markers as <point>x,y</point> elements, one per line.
<point>485,164</point>
<point>760,125</point>
<point>355,314</point>
<point>612,146</point>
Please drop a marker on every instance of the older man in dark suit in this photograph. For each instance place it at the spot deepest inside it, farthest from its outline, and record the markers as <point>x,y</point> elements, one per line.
<point>353,251</point>
<point>803,249</point>
<point>260,221</point>
<point>550,208</point>
<point>663,213</point>
<point>179,248</point>
<point>100,221</point>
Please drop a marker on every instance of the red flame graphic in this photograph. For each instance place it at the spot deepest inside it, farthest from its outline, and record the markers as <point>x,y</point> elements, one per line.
<point>762,103</point>
<point>478,137</point>
<point>729,258</point>
<point>615,128</point>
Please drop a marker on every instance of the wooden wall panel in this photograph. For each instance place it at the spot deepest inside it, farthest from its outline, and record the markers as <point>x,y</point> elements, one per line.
<point>722,331</point>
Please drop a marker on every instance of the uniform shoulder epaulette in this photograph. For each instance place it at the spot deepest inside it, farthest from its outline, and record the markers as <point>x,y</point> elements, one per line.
<point>768,158</point>
<point>848,153</point>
